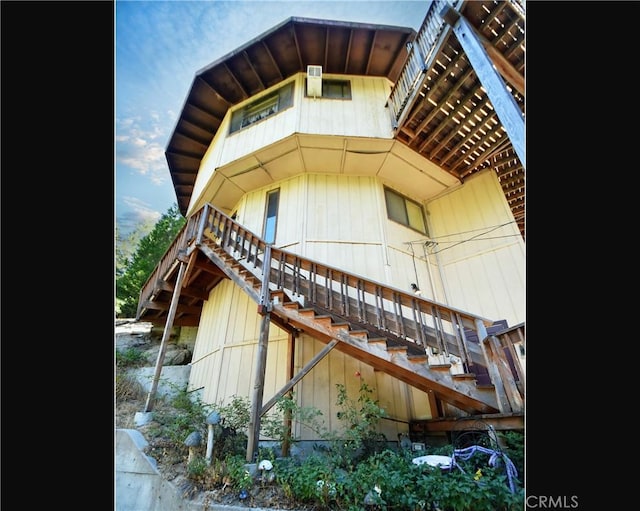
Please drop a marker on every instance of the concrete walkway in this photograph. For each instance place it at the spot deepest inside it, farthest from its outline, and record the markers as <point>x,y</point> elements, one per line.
<point>139,485</point>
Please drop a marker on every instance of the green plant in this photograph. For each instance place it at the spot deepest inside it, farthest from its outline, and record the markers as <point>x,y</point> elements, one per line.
<point>360,420</point>
<point>135,266</point>
<point>130,357</point>
<point>236,414</point>
<point>274,425</point>
<point>237,473</point>
<point>514,448</point>
<point>230,436</point>
<point>455,490</point>
<point>389,480</point>
<point>186,414</point>
<point>309,480</point>
<point>345,475</point>
<point>197,468</point>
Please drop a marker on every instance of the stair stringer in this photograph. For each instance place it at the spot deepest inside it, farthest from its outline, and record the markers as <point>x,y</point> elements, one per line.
<point>458,390</point>
<point>461,393</point>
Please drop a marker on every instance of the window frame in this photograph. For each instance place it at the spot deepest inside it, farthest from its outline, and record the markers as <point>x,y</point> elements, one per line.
<point>266,225</point>
<point>262,108</point>
<point>406,221</point>
<point>328,84</point>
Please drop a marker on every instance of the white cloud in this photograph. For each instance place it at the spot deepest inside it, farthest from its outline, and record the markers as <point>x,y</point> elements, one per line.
<point>142,148</point>
<point>137,214</point>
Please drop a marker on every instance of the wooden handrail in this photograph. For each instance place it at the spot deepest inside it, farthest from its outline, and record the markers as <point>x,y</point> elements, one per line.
<point>422,51</point>
<point>373,305</point>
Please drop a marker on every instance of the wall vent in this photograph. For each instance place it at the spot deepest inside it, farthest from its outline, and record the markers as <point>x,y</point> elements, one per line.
<point>314,81</point>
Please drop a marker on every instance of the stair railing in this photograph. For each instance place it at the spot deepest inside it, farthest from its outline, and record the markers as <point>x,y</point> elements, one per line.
<point>346,295</point>
<point>421,53</point>
<point>372,305</point>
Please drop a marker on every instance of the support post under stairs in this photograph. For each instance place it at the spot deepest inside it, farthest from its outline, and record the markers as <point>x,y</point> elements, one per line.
<point>165,338</point>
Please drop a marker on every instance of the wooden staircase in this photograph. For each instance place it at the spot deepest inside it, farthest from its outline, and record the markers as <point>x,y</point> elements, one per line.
<point>382,326</point>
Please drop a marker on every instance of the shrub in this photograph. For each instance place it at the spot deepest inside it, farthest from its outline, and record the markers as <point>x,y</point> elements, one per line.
<point>127,387</point>
<point>130,357</point>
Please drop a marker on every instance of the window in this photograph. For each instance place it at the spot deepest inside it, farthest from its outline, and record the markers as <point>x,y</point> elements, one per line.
<point>405,211</point>
<point>271,216</point>
<point>334,89</point>
<point>262,108</point>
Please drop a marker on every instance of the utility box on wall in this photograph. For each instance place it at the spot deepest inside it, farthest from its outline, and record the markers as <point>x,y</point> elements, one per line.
<point>314,81</point>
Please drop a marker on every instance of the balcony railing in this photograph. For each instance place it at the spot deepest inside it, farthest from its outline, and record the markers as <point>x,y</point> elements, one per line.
<point>420,59</point>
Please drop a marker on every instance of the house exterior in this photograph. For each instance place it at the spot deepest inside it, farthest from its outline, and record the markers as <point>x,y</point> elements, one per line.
<point>386,265</point>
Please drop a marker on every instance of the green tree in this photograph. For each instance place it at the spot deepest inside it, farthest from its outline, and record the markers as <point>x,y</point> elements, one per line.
<point>127,243</point>
<point>132,272</point>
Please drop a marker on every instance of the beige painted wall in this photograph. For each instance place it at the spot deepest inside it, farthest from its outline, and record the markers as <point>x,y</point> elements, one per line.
<point>480,250</point>
<point>224,364</point>
<point>341,221</point>
<point>319,116</point>
<point>473,258</point>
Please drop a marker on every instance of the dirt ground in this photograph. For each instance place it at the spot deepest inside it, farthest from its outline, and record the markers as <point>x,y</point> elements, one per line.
<point>172,465</point>
<point>172,459</point>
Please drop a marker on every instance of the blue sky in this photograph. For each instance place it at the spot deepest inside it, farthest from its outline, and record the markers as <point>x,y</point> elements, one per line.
<point>160,45</point>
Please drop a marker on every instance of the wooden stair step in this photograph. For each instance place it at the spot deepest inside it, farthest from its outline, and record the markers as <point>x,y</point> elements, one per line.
<point>417,358</point>
<point>343,325</point>
<point>464,376</point>
<point>444,367</point>
<point>362,334</point>
<point>278,296</point>
<point>324,320</point>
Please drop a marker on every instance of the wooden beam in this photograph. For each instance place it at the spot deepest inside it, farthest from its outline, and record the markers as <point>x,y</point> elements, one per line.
<point>165,338</point>
<point>504,67</point>
<point>303,372</point>
<point>291,352</point>
<point>253,437</point>
<point>264,306</point>
<point>472,423</point>
<point>503,102</point>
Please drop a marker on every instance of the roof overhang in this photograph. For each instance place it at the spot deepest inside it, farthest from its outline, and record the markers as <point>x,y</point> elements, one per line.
<point>339,47</point>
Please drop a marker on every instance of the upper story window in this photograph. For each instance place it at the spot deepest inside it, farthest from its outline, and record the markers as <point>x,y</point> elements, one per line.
<point>405,211</point>
<point>333,89</point>
<point>262,108</point>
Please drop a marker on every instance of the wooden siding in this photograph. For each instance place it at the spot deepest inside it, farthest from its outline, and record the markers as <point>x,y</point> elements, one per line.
<point>341,220</point>
<point>223,362</point>
<point>480,250</point>
<point>319,390</point>
<point>364,115</point>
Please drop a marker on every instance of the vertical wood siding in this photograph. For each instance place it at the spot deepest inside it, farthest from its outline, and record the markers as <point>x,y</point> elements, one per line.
<point>319,390</point>
<point>341,220</point>
<point>364,115</point>
<point>223,362</point>
<point>480,250</point>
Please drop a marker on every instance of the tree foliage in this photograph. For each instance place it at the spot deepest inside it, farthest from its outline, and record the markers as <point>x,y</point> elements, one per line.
<point>127,243</point>
<point>133,271</point>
